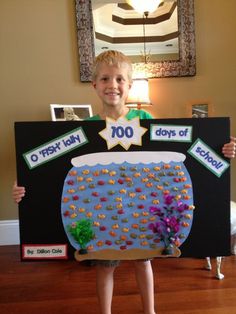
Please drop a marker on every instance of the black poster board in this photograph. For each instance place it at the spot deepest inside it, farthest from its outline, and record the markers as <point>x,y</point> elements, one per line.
<point>40,213</point>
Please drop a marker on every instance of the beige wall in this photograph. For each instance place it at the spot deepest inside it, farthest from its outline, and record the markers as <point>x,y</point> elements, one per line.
<point>39,66</point>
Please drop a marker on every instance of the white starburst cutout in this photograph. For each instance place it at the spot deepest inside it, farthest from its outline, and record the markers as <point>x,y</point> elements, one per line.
<point>123,132</point>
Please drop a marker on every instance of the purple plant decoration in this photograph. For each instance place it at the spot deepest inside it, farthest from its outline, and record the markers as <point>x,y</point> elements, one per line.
<point>171,216</point>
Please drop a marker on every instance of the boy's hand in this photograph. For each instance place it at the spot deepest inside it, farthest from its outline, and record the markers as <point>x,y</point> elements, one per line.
<point>229,148</point>
<point>18,192</point>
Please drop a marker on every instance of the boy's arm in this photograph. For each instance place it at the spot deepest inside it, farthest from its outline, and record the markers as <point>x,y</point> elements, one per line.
<point>229,148</point>
<point>18,192</point>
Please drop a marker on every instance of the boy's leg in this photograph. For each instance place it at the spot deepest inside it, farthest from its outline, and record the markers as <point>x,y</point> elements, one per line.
<point>104,278</point>
<point>208,263</point>
<point>144,277</point>
<point>219,275</point>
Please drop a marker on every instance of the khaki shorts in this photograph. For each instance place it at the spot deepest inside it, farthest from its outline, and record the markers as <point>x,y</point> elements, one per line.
<point>111,263</point>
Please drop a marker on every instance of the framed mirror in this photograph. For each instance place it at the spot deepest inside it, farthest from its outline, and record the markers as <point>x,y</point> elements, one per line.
<point>185,65</point>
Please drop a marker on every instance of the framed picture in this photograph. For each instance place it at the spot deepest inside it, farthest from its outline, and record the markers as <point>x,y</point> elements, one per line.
<point>200,109</point>
<point>66,112</point>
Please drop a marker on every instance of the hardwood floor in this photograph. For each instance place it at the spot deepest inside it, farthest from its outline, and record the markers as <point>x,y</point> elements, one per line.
<point>182,286</point>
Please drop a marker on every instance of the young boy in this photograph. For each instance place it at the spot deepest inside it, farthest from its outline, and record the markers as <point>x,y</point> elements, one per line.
<point>112,80</point>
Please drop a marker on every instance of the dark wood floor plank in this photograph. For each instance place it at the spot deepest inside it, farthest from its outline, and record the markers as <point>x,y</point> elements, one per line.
<point>60,287</point>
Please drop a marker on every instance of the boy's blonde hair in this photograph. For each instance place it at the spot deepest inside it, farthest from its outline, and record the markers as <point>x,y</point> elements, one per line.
<point>112,58</point>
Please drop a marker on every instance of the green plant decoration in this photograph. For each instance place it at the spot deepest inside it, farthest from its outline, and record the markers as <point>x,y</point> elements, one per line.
<point>82,232</point>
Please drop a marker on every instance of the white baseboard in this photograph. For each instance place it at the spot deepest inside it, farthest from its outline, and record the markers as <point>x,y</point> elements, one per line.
<point>9,232</point>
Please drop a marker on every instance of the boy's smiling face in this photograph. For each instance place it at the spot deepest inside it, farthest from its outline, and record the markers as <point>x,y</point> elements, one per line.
<point>112,84</point>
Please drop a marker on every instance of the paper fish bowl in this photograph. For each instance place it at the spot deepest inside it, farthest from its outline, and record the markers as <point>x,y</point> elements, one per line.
<point>127,205</point>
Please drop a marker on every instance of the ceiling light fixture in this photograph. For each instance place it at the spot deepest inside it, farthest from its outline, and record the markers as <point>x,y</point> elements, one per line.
<point>142,6</point>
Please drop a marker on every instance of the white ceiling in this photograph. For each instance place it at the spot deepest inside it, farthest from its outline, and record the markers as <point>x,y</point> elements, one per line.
<point>102,15</point>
